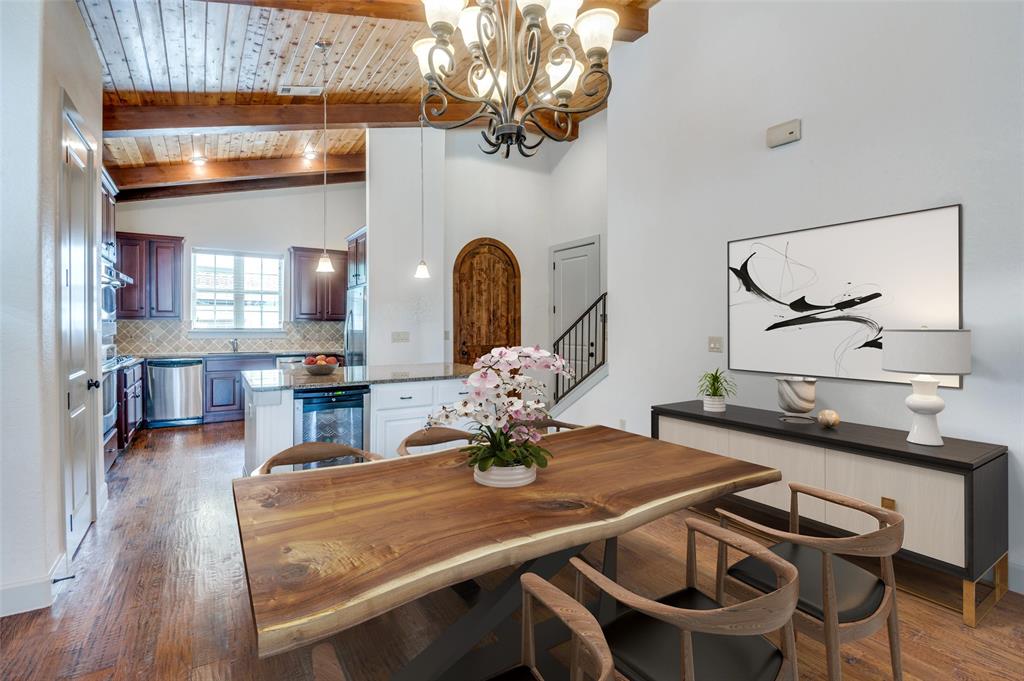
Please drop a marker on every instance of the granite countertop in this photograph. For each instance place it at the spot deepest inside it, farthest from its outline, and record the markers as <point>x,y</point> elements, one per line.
<point>228,353</point>
<point>292,379</point>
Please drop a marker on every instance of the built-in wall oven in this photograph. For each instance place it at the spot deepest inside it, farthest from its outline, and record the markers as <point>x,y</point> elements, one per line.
<point>109,399</point>
<point>339,415</point>
<point>110,281</point>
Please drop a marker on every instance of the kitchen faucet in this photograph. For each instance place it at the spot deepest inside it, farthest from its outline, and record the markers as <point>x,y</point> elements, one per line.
<point>234,345</point>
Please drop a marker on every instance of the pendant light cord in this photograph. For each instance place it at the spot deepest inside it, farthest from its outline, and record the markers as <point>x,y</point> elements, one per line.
<point>422,200</point>
<point>324,94</point>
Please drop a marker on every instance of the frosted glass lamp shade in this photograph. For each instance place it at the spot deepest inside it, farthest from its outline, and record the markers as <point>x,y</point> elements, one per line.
<point>556,72</point>
<point>563,13</point>
<point>443,61</point>
<point>596,29</point>
<point>421,271</point>
<point>483,85</point>
<point>444,12</point>
<point>533,8</point>
<point>927,351</point>
<point>468,24</point>
<point>324,265</point>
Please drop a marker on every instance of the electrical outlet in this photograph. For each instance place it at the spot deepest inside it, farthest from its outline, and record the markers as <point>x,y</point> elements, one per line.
<point>399,336</point>
<point>714,343</point>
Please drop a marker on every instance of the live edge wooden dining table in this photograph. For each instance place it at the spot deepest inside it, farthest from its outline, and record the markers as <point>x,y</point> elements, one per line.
<point>329,548</point>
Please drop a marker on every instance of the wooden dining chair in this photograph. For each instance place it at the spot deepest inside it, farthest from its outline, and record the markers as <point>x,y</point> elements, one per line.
<point>546,425</point>
<point>589,652</point>
<point>435,435</point>
<point>690,636</point>
<point>839,601</point>
<point>311,452</point>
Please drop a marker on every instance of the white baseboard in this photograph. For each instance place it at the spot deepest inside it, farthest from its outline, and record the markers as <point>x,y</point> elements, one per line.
<point>32,594</point>
<point>1017,577</point>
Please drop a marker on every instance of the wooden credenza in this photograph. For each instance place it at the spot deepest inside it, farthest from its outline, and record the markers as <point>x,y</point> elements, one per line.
<point>954,498</point>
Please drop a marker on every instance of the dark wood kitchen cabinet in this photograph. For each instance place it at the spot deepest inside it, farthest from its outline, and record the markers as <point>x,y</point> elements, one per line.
<point>155,263</point>
<point>131,260</point>
<point>130,406</point>
<point>318,296</point>
<point>222,389</point>
<point>357,258</point>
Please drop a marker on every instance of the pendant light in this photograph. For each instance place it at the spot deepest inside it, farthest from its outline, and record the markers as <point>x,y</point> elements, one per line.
<point>324,265</point>
<point>421,270</point>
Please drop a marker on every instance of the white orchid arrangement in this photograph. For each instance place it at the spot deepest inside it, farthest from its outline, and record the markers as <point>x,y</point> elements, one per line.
<point>502,402</point>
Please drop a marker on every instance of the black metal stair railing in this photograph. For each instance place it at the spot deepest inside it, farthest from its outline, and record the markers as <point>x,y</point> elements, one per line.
<point>584,346</point>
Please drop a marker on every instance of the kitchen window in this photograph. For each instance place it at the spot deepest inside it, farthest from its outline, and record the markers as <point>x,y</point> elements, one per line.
<point>233,291</point>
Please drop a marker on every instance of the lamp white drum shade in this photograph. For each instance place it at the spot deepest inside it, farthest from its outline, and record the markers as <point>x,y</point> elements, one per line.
<point>927,351</point>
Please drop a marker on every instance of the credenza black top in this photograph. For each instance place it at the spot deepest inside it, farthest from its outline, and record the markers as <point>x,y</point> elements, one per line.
<point>882,442</point>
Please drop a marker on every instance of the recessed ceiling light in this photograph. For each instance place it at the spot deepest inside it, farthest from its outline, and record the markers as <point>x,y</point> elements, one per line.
<point>309,153</point>
<point>199,160</point>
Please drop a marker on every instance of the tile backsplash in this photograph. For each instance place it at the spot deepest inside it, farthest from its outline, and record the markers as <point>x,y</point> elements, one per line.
<point>170,336</point>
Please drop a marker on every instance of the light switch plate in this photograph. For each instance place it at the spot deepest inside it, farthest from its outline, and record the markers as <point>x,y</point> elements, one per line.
<point>784,133</point>
<point>399,336</point>
<point>714,343</point>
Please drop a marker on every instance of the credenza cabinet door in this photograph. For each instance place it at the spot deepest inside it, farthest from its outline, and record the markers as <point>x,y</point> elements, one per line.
<point>931,501</point>
<point>798,463</point>
<point>697,435</point>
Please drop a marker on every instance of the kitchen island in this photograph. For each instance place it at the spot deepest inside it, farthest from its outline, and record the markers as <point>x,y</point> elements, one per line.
<point>377,406</point>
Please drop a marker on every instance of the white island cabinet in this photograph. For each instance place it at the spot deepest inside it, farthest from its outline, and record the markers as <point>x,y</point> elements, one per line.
<point>268,425</point>
<point>400,409</point>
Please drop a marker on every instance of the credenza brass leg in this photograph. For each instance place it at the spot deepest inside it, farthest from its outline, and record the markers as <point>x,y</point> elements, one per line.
<point>973,611</point>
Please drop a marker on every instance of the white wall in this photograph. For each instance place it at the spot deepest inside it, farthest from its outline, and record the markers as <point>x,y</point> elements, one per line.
<point>266,221</point>
<point>397,301</point>
<point>905,106</point>
<point>45,47</point>
<point>529,204</point>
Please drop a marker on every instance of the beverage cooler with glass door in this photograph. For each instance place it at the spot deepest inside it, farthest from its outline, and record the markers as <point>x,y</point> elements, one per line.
<point>340,415</point>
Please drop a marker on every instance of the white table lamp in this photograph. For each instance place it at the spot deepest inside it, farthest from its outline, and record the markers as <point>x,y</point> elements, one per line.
<point>925,352</point>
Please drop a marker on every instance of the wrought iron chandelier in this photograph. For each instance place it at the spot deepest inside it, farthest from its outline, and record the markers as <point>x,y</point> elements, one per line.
<point>506,55</point>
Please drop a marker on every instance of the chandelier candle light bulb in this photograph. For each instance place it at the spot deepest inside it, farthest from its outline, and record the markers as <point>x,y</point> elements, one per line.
<point>469,23</point>
<point>443,61</point>
<point>564,78</point>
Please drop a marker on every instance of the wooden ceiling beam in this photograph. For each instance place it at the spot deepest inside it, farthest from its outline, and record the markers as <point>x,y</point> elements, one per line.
<point>141,121</point>
<point>148,193</point>
<point>632,19</point>
<point>232,171</point>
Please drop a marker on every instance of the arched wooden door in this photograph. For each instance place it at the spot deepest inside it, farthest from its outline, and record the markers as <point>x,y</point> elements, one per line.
<point>485,299</point>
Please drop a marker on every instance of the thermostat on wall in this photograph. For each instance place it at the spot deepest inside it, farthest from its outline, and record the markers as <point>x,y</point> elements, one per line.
<point>784,133</point>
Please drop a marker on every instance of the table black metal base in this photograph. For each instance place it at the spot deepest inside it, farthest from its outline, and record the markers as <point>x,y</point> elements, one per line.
<point>453,656</point>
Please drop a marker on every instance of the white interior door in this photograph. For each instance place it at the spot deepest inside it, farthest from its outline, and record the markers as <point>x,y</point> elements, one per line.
<point>575,285</point>
<point>81,416</point>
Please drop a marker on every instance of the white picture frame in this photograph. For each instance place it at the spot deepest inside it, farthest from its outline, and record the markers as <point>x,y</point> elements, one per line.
<point>816,301</point>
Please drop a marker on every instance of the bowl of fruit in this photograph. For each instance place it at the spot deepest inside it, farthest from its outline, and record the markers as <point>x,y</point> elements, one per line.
<point>320,365</point>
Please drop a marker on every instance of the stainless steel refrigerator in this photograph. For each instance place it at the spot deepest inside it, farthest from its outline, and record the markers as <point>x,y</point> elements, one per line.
<point>355,326</point>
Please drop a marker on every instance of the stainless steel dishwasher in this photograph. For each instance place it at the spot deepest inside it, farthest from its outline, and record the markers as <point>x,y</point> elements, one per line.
<point>174,390</point>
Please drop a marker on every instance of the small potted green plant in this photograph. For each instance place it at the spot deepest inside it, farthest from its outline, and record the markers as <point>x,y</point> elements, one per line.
<point>714,387</point>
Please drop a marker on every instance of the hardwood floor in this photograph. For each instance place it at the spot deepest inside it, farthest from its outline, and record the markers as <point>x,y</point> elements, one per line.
<point>160,593</point>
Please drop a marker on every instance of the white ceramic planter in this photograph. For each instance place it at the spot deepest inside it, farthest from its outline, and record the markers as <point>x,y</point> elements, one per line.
<point>508,476</point>
<point>714,403</point>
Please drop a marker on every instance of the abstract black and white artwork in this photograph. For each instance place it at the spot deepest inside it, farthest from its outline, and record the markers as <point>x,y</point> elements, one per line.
<point>817,302</point>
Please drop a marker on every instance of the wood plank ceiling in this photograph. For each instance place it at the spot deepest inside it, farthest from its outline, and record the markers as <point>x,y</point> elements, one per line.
<point>158,55</point>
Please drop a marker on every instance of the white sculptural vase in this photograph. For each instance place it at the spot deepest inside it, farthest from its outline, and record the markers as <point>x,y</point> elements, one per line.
<point>796,397</point>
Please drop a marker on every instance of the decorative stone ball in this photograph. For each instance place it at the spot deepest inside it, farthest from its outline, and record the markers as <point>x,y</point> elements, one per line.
<point>828,418</point>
